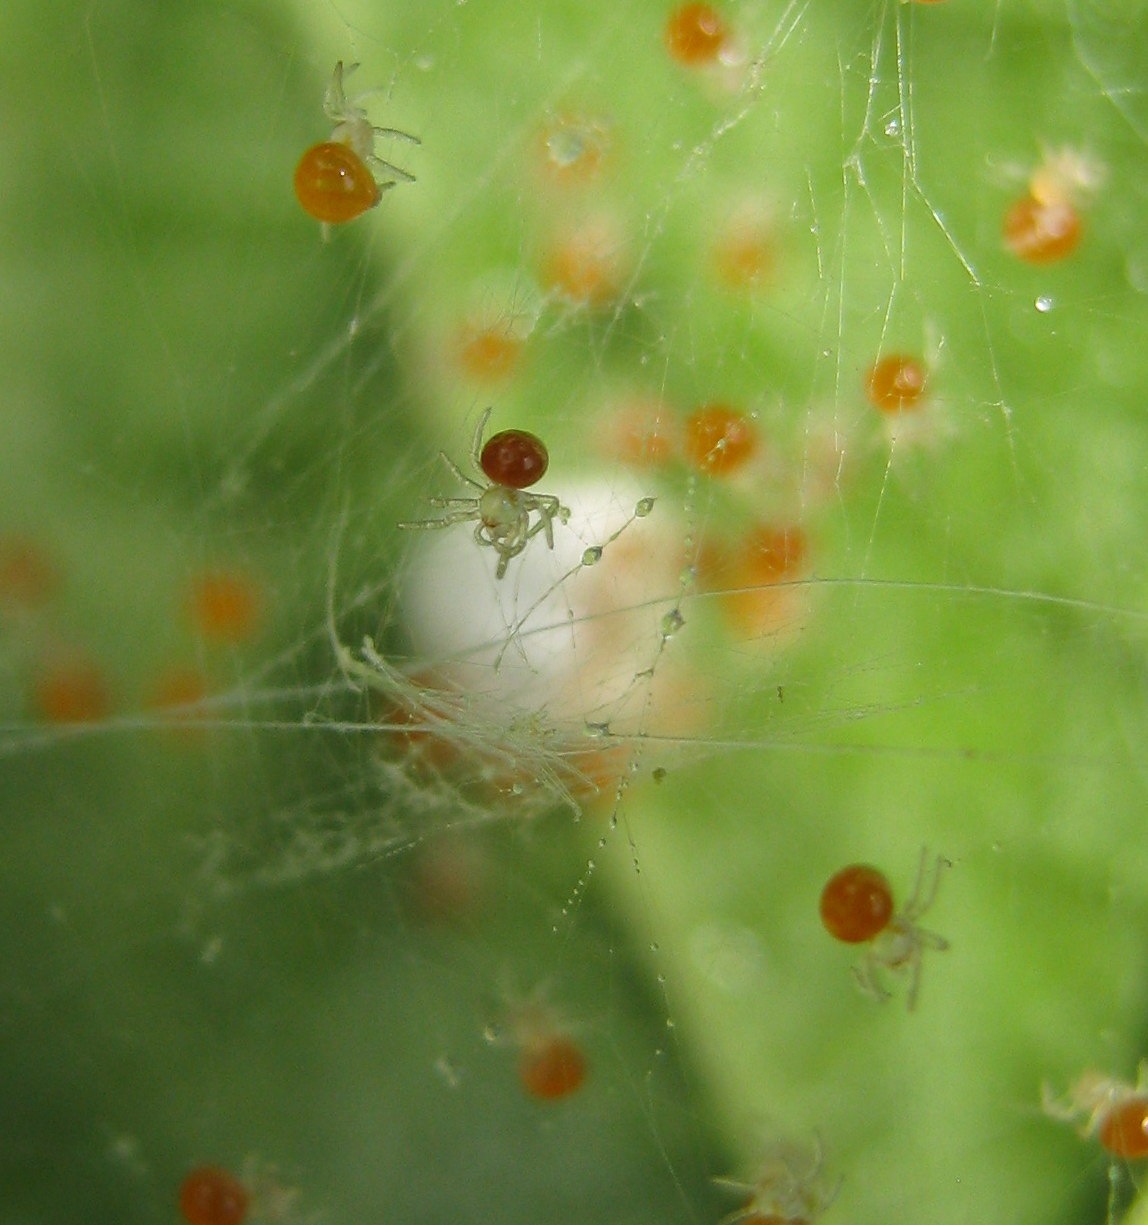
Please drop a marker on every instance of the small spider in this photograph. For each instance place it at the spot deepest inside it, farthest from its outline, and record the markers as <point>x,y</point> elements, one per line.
<point>511,460</point>
<point>1117,1112</point>
<point>788,1186</point>
<point>857,907</point>
<point>341,178</point>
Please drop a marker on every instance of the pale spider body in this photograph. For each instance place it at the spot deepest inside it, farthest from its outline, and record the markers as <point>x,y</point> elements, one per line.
<point>503,509</point>
<point>788,1187</point>
<point>354,129</point>
<point>902,944</point>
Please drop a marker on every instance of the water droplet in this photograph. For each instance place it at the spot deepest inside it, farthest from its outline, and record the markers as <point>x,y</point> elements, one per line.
<point>592,556</point>
<point>643,508</point>
<point>1044,304</point>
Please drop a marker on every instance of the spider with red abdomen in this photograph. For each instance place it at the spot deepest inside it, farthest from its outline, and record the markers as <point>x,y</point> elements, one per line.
<point>512,461</point>
<point>857,908</point>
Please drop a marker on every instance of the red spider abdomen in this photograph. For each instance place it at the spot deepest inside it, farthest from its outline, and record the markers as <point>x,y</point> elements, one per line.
<point>515,458</point>
<point>856,904</point>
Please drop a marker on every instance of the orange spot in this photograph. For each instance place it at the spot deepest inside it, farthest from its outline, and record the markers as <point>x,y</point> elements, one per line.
<point>747,575</point>
<point>488,354</point>
<point>695,34</point>
<point>552,1068</point>
<point>71,691</point>
<point>333,184</point>
<point>770,554</point>
<point>1042,231</point>
<point>895,383</point>
<point>719,440</point>
<point>584,266</point>
<point>28,579</point>
<point>1124,1131</point>
<point>573,148</point>
<point>642,434</point>
<point>225,606</point>
<point>743,255</point>
<point>212,1196</point>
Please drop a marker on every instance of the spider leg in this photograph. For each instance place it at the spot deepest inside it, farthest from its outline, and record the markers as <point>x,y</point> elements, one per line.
<point>459,502</point>
<point>335,99</point>
<point>476,444</point>
<point>931,940</point>
<point>926,886</point>
<point>380,166</point>
<point>397,132</point>
<point>865,975</point>
<point>458,473</point>
<point>447,520</point>
<point>543,525</point>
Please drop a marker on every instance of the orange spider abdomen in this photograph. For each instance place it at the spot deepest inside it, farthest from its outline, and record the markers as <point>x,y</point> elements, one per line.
<point>514,458</point>
<point>552,1068</point>
<point>719,440</point>
<point>224,606</point>
<point>488,353</point>
<point>856,904</point>
<point>1124,1131</point>
<point>71,691</point>
<point>333,183</point>
<point>895,383</point>
<point>695,34</point>
<point>1041,231</point>
<point>211,1196</point>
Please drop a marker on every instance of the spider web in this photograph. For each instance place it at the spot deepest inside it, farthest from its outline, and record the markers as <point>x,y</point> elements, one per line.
<point>321,823</point>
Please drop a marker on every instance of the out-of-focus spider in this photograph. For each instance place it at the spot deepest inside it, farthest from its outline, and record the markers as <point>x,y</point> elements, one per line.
<point>1115,1112</point>
<point>857,908</point>
<point>511,460</point>
<point>788,1186</point>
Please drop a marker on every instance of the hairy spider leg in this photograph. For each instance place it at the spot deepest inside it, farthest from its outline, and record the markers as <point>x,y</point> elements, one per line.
<point>382,166</point>
<point>918,904</point>
<point>476,441</point>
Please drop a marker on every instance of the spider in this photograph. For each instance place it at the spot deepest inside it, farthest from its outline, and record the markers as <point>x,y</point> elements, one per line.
<point>1117,1112</point>
<point>511,460</point>
<point>341,178</point>
<point>788,1186</point>
<point>857,908</point>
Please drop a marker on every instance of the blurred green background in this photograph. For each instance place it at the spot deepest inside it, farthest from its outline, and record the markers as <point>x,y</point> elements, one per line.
<point>256,930</point>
